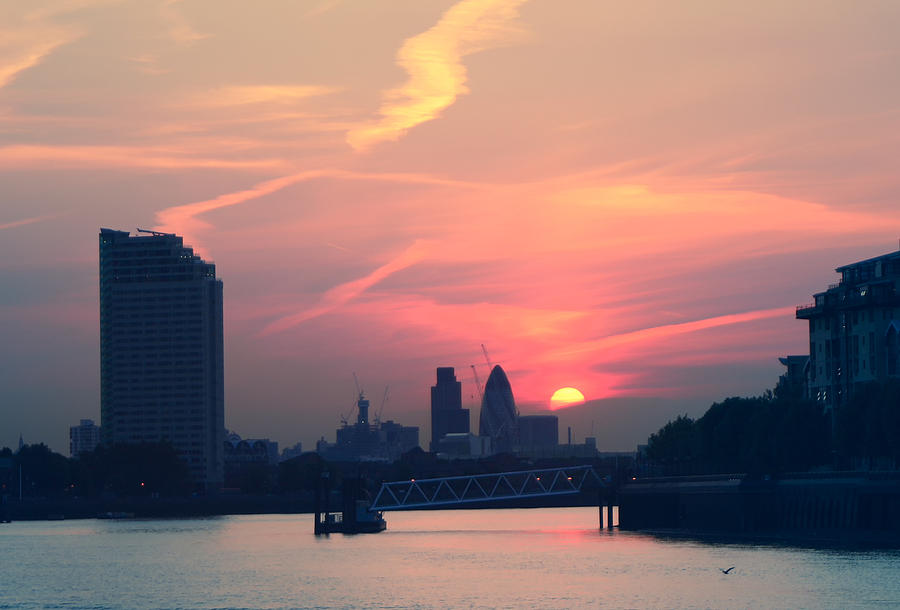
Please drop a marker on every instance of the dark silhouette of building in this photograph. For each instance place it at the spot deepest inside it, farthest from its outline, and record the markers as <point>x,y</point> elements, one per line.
<point>381,441</point>
<point>498,412</point>
<point>161,349</point>
<point>538,430</point>
<point>853,330</point>
<point>83,438</point>
<point>447,414</point>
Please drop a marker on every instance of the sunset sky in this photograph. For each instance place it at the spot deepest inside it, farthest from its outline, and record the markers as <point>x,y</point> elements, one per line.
<point>626,198</point>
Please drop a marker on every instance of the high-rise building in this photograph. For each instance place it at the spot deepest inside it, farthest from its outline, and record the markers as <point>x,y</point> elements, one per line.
<point>499,416</point>
<point>83,437</point>
<point>447,414</point>
<point>853,330</point>
<point>161,349</point>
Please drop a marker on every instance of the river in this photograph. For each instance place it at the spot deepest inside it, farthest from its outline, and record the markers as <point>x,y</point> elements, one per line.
<point>546,558</point>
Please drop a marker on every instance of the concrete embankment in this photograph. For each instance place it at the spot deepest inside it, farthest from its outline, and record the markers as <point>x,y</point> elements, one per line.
<point>850,506</point>
<point>30,509</point>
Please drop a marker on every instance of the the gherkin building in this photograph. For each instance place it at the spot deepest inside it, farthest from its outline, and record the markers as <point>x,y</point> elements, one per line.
<point>498,412</point>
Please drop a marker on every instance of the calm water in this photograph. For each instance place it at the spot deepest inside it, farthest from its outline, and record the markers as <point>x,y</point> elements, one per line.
<point>489,558</point>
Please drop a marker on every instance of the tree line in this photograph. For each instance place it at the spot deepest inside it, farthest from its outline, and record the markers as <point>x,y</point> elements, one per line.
<point>781,431</point>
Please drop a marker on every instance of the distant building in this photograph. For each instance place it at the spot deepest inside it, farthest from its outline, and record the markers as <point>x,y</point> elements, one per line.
<point>854,330</point>
<point>365,441</point>
<point>463,445</point>
<point>239,449</point>
<point>161,349</point>
<point>289,453</point>
<point>795,375</point>
<point>538,430</point>
<point>499,416</point>
<point>447,414</point>
<point>242,455</point>
<point>83,438</point>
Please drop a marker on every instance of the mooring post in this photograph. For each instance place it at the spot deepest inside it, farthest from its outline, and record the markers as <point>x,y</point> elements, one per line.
<point>609,512</point>
<point>600,506</point>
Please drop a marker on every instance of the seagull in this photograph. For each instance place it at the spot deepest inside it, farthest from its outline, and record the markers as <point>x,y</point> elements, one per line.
<point>726,571</point>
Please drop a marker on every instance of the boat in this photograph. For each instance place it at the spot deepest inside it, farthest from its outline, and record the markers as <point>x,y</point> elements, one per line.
<point>360,521</point>
<point>356,517</point>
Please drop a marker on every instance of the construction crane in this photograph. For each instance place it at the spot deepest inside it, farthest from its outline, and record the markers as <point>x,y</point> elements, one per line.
<point>478,384</point>
<point>356,381</point>
<point>381,408</point>
<point>486,357</point>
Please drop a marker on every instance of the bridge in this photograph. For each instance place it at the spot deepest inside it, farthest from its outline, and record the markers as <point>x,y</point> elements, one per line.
<point>481,488</point>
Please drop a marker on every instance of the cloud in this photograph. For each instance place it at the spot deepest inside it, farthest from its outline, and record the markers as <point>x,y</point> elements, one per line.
<point>179,29</point>
<point>433,61</point>
<point>183,219</point>
<point>25,221</point>
<point>25,48</point>
<point>61,156</point>
<point>665,331</point>
<point>346,292</point>
<point>260,94</point>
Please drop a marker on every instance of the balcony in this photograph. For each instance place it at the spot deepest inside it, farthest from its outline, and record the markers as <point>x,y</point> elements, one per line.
<point>808,309</point>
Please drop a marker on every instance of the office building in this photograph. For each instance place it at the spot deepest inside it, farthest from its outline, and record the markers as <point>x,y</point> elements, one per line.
<point>83,438</point>
<point>161,349</point>
<point>853,330</point>
<point>498,412</point>
<point>447,414</point>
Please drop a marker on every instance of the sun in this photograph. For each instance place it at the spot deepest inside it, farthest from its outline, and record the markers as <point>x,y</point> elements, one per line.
<point>566,397</point>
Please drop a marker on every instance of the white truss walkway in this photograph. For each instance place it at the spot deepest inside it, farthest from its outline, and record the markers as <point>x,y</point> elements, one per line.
<point>425,493</point>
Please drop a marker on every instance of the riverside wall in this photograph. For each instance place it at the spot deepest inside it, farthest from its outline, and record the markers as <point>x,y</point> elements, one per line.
<point>862,506</point>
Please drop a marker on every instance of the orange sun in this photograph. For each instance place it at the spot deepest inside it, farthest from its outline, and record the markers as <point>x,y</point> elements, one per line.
<point>566,397</point>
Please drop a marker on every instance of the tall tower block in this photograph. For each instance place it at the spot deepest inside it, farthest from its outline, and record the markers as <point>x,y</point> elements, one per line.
<point>447,414</point>
<point>161,349</point>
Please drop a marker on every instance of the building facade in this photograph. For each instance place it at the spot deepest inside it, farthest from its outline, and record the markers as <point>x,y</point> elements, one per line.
<point>161,349</point>
<point>83,438</point>
<point>853,330</point>
<point>447,414</point>
<point>366,441</point>
<point>499,416</point>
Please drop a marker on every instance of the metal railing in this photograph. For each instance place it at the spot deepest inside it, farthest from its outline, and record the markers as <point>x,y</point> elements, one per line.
<point>425,493</point>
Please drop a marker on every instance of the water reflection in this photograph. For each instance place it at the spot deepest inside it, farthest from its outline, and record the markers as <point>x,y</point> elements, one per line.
<point>476,558</point>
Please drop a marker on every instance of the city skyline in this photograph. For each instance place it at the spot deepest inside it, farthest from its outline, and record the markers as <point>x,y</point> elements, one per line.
<point>626,200</point>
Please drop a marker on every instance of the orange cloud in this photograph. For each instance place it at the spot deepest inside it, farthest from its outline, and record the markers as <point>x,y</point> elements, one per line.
<point>55,157</point>
<point>25,48</point>
<point>433,61</point>
<point>260,94</point>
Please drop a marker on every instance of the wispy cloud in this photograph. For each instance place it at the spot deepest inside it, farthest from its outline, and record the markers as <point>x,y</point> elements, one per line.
<point>261,94</point>
<point>184,219</point>
<point>55,157</point>
<point>25,221</point>
<point>346,292</point>
<point>180,30</point>
<point>433,61</point>
<point>665,331</point>
<point>24,49</point>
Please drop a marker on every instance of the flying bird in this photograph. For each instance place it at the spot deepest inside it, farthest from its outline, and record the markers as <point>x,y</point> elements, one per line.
<point>726,571</point>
